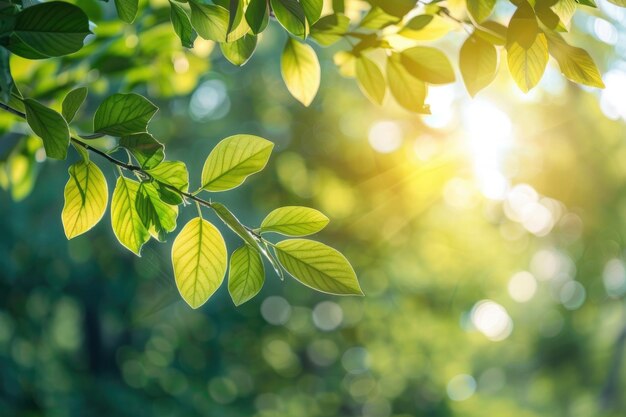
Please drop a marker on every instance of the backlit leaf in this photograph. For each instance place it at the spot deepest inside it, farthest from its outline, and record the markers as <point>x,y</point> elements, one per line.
<point>428,64</point>
<point>157,216</point>
<point>233,160</point>
<point>210,21</point>
<point>172,173</point>
<point>290,15</point>
<point>318,266</point>
<point>478,63</point>
<point>371,79</point>
<point>300,69</point>
<point>294,221</point>
<point>480,9</point>
<point>235,225</point>
<point>408,91</point>
<point>575,63</point>
<point>246,274</point>
<point>527,65</point>
<point>50,126</point>
<point>72,102</point>
<point>239,51</point>
<point>199,259</point>
<point>86,195</point>
<point>312,10</point>
<point>123,114</point>
<point>145,148</point>
<point>330,29</point>
<point>125,220</point>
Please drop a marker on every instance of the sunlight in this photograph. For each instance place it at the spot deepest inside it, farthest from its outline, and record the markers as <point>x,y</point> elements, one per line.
<point>488,131</point>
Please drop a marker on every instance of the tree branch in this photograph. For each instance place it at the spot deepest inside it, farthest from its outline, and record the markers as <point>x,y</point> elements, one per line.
<point>133,168</point>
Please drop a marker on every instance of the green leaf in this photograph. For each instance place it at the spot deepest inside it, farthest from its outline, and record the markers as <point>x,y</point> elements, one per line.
<point>377,19</point>
<point>371,79</point>
<point>86,196</point>
<point>246,275</point>
<point>590,3</point>
<point>239,51</point>
<point>237,24</point>
<point>235,225</point>
<point>621,3</point>
<point>318,266</point>
<point>123,114</point>
<point>157,216</point>
<point>397,8</point>
<point>575,63</point>
<point>290,14</point>
<point>6,79</point>
<point>233,160</point>
<point>127,9</point>
<point>408,91</point>
<point>480,10</point>
<point>523,27</point>
<point>145,148</point>
<point>48,30</point>
<point>125,220</point>
<point>199,260</point>
<point>168,195</point>
<point>478,63</point>
<point>294,221</point>
<point>312,10</point>
<point>301,71</point>
<point>527,65</point>
<point>210,21</point>
<point>257,15</point>
<point>428,64</point>
<point>50,126</point>
<point>72,102</point>
<point>494,33</point>
<point>182,25</point>
<point>330,29</point>
<point>172,173</point>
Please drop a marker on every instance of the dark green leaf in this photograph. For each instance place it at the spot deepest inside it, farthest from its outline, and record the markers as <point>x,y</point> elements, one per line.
<point>290,15</point>
<point>156,215</point>
<point>48,30</point>
<point>312,10</point>
<point>50,126</point>
<point>258,15</point>
<point>72,102</point>
<point>6,80</point>
<point>127,9</point>
<point>123,114</point>
<point>145,148</point>
<point>182,25</point>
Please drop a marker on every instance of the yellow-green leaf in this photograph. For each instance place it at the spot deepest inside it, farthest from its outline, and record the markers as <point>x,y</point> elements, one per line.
<point>301,71</point>
<point>428,64</point>
<point>290,14</point>
<point>294,221</point>
<point>210,21</point>
<point>239,52</point>
<point>371,79</point>
<point>318,266</point>
<point>125,220</point>
<point>527,65</point>
<point>173,173</point>
<point>157,216</point>
<point>145,148</point>
<point>199,260</point>
<point>478,63</point>
<point>575,63</point>
<point>480,10</point>
<point>246,274</point>
<point>86,195</point>
<point>408,91</point>
<point>233,160</point>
